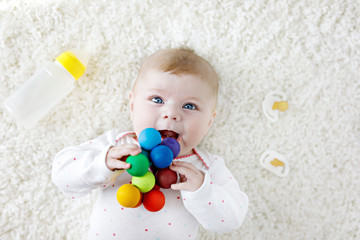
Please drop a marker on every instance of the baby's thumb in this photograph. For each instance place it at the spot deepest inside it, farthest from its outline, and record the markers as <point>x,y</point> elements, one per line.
<point>124,165</point>
<point>118,165</point>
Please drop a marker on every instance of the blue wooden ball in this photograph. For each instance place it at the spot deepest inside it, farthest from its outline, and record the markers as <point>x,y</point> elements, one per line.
<point>149,138</point>
<point>161,156</point>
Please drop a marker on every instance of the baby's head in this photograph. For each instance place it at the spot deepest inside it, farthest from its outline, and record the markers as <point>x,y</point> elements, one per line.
<point>176,93</point>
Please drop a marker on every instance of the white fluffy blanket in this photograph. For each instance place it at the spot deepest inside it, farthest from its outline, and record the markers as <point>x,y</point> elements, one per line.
<point>310,50</point>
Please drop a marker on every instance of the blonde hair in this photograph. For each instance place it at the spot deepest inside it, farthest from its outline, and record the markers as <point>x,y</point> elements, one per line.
<point>181,61</point>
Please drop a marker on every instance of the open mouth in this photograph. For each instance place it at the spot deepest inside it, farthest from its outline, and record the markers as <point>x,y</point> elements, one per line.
<point>168,134</point>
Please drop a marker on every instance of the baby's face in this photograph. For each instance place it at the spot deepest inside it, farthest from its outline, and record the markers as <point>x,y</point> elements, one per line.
<point>179,106</point>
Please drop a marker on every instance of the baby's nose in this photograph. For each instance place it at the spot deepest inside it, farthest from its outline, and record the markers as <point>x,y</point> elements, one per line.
<point>171,114</point>
<point>171,117</point>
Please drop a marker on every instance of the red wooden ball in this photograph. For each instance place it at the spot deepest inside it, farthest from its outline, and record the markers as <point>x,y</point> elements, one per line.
<point>154,200</point>
<point>165,177</point>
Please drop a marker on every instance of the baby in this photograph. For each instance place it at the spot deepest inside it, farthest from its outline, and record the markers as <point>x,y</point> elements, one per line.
<point>176,93</point>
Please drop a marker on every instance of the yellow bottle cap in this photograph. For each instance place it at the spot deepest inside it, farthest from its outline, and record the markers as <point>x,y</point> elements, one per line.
<point>72,64</point>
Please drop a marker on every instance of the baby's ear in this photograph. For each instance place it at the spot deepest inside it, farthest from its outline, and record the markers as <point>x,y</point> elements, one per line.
<point>212,118</point>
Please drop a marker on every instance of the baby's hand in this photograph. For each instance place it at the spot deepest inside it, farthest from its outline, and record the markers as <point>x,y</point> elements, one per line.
<point>191,178</point>
<point>115,154</point>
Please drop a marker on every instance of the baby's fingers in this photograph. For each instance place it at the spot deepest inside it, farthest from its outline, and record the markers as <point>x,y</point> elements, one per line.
<point>115,164</point>
<point>181,186</point>
<point>115,156</point>
<point>191,178</point>
<point>118,152</point>
<point>185,168</point>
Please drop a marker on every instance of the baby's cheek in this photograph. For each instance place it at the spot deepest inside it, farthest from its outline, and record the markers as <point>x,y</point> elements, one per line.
<point>143,119</point>
<point>191,141</point>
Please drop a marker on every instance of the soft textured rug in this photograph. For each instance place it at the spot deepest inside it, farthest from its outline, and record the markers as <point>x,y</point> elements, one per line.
<point>309,50</point>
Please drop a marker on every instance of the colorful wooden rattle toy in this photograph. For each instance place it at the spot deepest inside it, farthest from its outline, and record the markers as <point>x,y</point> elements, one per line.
<point>159,154</point>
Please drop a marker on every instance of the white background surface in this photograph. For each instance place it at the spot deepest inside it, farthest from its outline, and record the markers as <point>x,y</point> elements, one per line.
<point>306,49</point>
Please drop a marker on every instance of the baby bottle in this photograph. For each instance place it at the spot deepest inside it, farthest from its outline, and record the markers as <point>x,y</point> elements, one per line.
<point>46,87</point>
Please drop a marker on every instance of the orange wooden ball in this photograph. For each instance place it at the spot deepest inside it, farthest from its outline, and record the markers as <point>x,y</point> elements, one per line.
<point>140,201</point>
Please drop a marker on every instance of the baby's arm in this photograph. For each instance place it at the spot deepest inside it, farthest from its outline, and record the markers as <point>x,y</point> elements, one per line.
<point>78,170</point>
<point>218,205</point>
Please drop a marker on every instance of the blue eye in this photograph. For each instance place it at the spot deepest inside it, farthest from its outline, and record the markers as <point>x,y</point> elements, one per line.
<point>157,100</point>
<point>190,106</point>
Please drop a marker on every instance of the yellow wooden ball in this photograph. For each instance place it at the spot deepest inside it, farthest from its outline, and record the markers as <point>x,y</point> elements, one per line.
<point>128,195</point>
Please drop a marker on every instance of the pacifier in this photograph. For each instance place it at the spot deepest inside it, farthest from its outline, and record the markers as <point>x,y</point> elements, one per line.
<point>274,102</point>
<point>275,163</point>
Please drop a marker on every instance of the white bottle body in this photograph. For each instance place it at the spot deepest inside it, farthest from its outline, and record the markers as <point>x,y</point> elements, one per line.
<point>39,94</point>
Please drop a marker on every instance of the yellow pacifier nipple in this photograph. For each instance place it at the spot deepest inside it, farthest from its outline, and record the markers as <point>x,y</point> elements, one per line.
<point>281,106</point>
<point>277,163</point>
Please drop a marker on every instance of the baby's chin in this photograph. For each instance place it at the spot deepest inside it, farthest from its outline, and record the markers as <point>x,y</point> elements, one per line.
<point>185,152</point>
